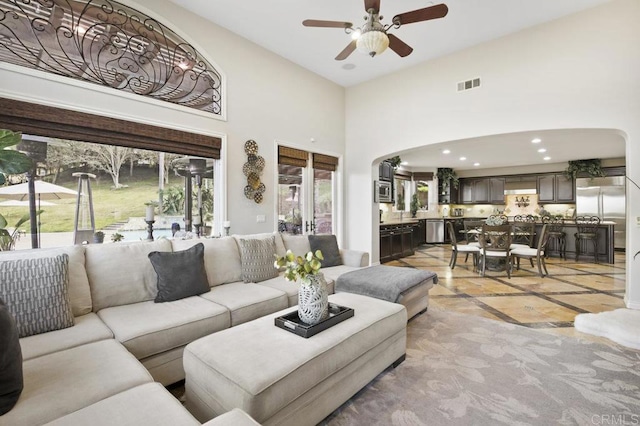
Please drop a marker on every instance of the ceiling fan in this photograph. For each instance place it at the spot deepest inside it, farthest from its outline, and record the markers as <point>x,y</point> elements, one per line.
<point>373,37</point>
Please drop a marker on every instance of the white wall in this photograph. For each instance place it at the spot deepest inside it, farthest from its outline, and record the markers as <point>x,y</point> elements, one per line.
<point>268,99</point>
<point>577,72</point>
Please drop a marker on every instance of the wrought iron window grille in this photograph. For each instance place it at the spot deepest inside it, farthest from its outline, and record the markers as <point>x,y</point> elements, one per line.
<point>111,44</point>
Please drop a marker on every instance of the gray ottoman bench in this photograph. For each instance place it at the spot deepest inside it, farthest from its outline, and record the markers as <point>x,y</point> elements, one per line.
<point>280,378</point>
<point>407,286</point>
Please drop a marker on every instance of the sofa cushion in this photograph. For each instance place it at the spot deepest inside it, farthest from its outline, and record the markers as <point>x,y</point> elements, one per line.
<point>289,287</point>
<point>36,292</point>
<point>63,382</point>
<point>86,329</point>
<point>328,245</point>
<point>10,361</point>
<point>149,328</point>
<point>148,404</point>
<point>221,258</point>
<point>180,273</point>
<point>247,302</point>
<point>121,273</point>
<point>257,257</point>
<point>79,292</point>
<point>298,244</point>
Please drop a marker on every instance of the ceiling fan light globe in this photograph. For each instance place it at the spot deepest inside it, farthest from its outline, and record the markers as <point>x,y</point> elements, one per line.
<point>373,42</point>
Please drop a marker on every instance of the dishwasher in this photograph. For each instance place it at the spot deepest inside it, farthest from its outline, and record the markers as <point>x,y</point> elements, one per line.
<point>435,231</point>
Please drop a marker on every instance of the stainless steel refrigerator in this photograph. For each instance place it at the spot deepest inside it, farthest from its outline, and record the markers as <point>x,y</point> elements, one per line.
<point>605,198</point>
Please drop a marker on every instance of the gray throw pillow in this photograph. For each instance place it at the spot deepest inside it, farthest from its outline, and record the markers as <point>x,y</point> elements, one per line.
<point>36,292</point>
<point>257,256</point>
<point>180,273</point>
<point>11,383</point>
<point>328,245</point>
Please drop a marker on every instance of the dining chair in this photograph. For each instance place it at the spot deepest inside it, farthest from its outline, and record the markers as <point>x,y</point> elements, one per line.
<point>587,231</point>
<point>461,248</point>
<point>472,229</point>
<point>495,242</point>
<point>533,253</point>
<point>523,234</point>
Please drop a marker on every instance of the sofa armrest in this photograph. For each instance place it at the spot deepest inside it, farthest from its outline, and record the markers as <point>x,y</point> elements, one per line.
<point>355,258</point>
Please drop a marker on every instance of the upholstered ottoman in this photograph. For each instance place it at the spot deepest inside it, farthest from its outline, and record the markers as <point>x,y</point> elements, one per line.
<point>407,286</point>
<point>280,378</point>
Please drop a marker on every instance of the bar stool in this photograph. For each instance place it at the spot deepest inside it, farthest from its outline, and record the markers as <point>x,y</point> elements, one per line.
<point>587,231</point>
<point>556,235</point>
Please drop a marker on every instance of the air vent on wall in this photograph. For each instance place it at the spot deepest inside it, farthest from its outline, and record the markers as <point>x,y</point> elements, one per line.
<point>469,84</point>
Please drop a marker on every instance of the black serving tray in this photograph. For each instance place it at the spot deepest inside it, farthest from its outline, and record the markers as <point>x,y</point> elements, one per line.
<point>292,323</point>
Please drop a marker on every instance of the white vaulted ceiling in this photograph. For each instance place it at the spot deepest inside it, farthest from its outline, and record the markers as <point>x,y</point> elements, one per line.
<point>277,26</point>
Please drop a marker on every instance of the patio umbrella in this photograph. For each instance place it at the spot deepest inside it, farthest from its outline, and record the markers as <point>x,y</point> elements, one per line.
<point>44,191</point>
<point>25,203</point>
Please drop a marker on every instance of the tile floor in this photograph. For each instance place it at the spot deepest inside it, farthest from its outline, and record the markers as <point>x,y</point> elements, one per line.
<point>548,304</point>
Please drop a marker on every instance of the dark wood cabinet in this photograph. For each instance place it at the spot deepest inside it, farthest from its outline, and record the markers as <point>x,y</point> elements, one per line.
<point>556,188</point>
<point>396,241</point>
<point>420,233</point>
<point>496,191</point>
<point>482,190</point>
<point>447,192</point>
<point>386,171</point>
<point>565,189</point>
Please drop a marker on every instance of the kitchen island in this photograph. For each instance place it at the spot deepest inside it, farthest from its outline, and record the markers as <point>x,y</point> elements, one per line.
<point>605,242</point>
<point>399,238</point>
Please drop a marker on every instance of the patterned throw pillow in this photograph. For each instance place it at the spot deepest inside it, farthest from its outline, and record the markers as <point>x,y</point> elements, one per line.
<point>36,292</point>
<point>257,257</point>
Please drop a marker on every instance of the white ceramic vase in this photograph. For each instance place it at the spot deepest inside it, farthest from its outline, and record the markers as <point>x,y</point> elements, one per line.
<point>313,299</point>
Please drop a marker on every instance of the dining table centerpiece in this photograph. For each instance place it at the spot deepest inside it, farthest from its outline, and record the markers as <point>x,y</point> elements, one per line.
<point>313,296</point>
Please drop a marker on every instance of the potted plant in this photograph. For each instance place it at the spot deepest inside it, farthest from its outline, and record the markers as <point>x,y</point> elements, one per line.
<point>313,297</point>
<point>12,161</point>
<point>447,175</point>
<point>415,205</point>
<point>98,237</point>
<point>591,167</point>
<point>394,161</point>
<point>117,237</point>
<point>8,239</point>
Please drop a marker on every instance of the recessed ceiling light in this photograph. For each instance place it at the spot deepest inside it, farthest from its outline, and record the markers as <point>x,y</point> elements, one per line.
<point>463,158</point>
<point>348,67</point>
<point>476,164</point>
<point>547,158</point>
<point>446,151</point>
<point>541,150</point>
<point>536,140</point>
<point>404,163</point>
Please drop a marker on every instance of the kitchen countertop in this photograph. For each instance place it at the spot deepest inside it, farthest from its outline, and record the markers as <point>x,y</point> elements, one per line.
<point>400,222</point>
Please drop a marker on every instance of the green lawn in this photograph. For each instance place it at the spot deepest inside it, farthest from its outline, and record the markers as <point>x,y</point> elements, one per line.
<point>110,206</point>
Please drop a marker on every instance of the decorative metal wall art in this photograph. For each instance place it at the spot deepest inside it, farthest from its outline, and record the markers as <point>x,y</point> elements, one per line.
<point>252,169</point>
<point>108,43</point>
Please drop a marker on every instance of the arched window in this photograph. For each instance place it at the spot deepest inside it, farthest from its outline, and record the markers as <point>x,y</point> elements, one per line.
<point>107,43</point>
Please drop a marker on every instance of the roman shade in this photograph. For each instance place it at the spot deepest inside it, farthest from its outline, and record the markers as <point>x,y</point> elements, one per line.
<point>42,120</point>
<point>424,176</point>
<point>292,156</point>
<point>325,162</point>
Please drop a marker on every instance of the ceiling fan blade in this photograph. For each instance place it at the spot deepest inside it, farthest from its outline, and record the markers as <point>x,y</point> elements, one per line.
<point>431,12</point>
<point>347,51</point>
<point>399,46</point>
<point>372,4</point>
<point>326,24</point>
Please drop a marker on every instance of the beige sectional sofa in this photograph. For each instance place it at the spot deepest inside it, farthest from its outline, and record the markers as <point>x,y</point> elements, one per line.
<point>122,342</point>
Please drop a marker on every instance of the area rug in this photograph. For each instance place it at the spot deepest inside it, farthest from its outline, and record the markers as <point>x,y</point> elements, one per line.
<point>467,370</point>
<point>620,325</point>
